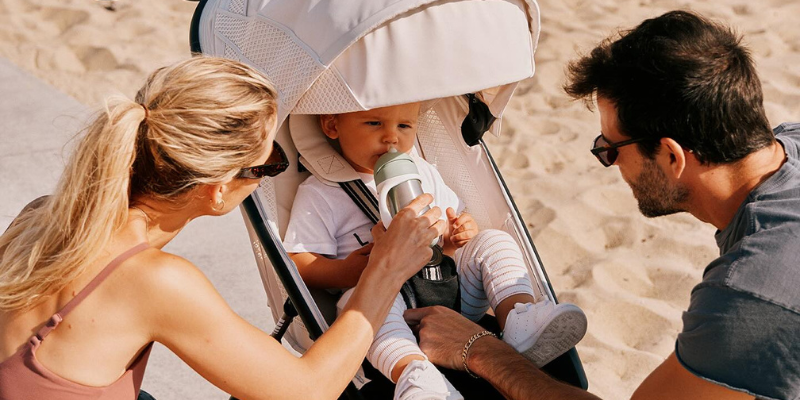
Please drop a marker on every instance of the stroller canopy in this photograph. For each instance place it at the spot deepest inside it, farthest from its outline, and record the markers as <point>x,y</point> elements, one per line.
<point>334,56</point>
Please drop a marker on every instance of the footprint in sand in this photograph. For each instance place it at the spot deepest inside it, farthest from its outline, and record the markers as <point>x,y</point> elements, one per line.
<point>64,18</point>
<point>635,325</point>
<point>96,58</point>
<point>621,232</point>
<point>622,272</point>
<point>518,160</point>
<point>557,101</point>
<point>742,9</point>
<point>537,216</point>
<point>670,280</point>
<point>62,59</point>
<point>550,127</point>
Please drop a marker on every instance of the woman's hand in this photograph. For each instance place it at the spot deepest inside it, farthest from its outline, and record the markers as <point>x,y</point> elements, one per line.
<point>405,247</point>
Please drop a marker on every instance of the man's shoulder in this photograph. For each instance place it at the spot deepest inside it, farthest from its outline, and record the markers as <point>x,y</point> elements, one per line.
<point>737,339</point>
<point>789,128</point>
<point>764,263</point>
<point>760,245</point>
<point>788,133</point>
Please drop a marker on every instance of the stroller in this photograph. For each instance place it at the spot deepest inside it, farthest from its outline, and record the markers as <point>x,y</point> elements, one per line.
<point>461,58</point>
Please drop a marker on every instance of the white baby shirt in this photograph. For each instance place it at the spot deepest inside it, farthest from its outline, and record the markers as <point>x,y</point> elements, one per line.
<point>324,220</point>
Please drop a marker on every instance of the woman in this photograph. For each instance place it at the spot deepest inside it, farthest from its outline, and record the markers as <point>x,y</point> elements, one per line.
<point>85,289</point>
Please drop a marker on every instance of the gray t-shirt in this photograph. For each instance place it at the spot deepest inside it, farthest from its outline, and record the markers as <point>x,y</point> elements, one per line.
<point>742,328</point>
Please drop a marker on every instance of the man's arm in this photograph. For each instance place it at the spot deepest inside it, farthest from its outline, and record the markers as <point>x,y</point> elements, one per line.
<point>672,381</point>
<point>442,335</point>
<point>514,376</point>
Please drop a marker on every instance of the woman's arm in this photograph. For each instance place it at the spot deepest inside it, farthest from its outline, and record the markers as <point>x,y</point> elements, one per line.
<point>190,317</point>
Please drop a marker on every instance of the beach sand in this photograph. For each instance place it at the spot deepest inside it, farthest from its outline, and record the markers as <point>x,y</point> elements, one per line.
<point>632,275</point>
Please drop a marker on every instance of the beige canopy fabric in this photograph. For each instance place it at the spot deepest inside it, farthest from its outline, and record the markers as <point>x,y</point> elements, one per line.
<point>334,56</point>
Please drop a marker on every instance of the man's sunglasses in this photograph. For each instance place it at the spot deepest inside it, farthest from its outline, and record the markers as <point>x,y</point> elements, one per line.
<point>276,163</point>
<point>607,152</point>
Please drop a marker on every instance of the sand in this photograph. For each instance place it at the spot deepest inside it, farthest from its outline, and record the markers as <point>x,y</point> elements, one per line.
<point>630,274</point>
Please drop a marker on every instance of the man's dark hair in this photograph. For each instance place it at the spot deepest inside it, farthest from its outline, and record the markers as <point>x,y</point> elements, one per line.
<point>679,76</point>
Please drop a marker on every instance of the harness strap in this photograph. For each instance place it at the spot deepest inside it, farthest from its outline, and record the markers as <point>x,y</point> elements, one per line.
<point>363,197</point>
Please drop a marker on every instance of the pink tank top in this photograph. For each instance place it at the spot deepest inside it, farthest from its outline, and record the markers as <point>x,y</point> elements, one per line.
<point>22,377</point>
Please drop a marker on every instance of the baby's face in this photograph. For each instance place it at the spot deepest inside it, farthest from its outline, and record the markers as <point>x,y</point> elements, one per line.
<point>364,136</point>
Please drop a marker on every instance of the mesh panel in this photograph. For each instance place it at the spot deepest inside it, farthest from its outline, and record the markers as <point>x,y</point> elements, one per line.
<point>233,29</point>
<point>275,53</point>
<point>236,7</point>
<point>328,95</point>
<point>521,238</point>
<point>266,191</point>
<point>230,53</point>
<point>441,150</point>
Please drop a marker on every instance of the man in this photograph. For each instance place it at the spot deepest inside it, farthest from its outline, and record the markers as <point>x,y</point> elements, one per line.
<point>682,117</point>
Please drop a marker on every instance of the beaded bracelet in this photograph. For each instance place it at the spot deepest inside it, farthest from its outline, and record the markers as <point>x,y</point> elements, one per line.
<point>465,352</point>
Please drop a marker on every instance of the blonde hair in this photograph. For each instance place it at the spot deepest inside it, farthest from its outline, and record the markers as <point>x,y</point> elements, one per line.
<point>196,122</point>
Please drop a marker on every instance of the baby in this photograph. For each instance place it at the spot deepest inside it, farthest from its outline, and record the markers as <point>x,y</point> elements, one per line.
<point>329,240</point>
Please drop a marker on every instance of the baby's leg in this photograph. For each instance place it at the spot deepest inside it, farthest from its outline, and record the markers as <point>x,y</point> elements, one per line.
<point>492,273</point>
<point>395,351</point>
<point>394,346</point>
<point>542,331</point>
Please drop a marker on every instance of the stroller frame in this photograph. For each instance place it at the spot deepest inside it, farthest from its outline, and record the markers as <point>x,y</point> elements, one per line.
<point>567,367</point>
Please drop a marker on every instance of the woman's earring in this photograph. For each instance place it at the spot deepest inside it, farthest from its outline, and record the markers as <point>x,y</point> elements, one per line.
<point>218,206</point>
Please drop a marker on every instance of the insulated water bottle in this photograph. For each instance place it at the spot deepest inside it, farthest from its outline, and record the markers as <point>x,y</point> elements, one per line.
<point>388,169</point>
<point>398,182</point>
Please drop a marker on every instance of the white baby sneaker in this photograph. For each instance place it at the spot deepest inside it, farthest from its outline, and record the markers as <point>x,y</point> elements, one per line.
<point>422,381</point>
<point>545,330</point>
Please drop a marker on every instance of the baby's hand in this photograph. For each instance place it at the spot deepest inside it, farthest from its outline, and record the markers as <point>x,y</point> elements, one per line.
<point>462,227</point>
<point>357,261</point>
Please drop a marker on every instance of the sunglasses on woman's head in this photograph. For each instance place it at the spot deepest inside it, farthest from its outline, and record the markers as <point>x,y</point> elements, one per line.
<point>276,163</point>
<point>607,152</point>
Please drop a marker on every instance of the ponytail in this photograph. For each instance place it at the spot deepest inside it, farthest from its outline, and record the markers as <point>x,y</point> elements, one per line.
<point>48,247</point>
<point>196,122</point>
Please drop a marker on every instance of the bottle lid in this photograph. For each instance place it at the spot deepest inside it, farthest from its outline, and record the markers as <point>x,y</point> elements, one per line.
<point>394,163</point>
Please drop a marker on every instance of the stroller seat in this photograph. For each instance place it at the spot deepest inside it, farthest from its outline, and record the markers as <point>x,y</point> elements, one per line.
<point>336,56</point>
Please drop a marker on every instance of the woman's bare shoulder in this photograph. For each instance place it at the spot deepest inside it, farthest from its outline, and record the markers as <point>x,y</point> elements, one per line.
<point>161,270</point>
<point>169,282</point>
<point>175,297</point>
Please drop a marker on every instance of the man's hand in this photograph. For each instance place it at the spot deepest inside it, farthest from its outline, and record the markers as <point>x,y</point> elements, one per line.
<point>442,334</point>
<point>462,227</point>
